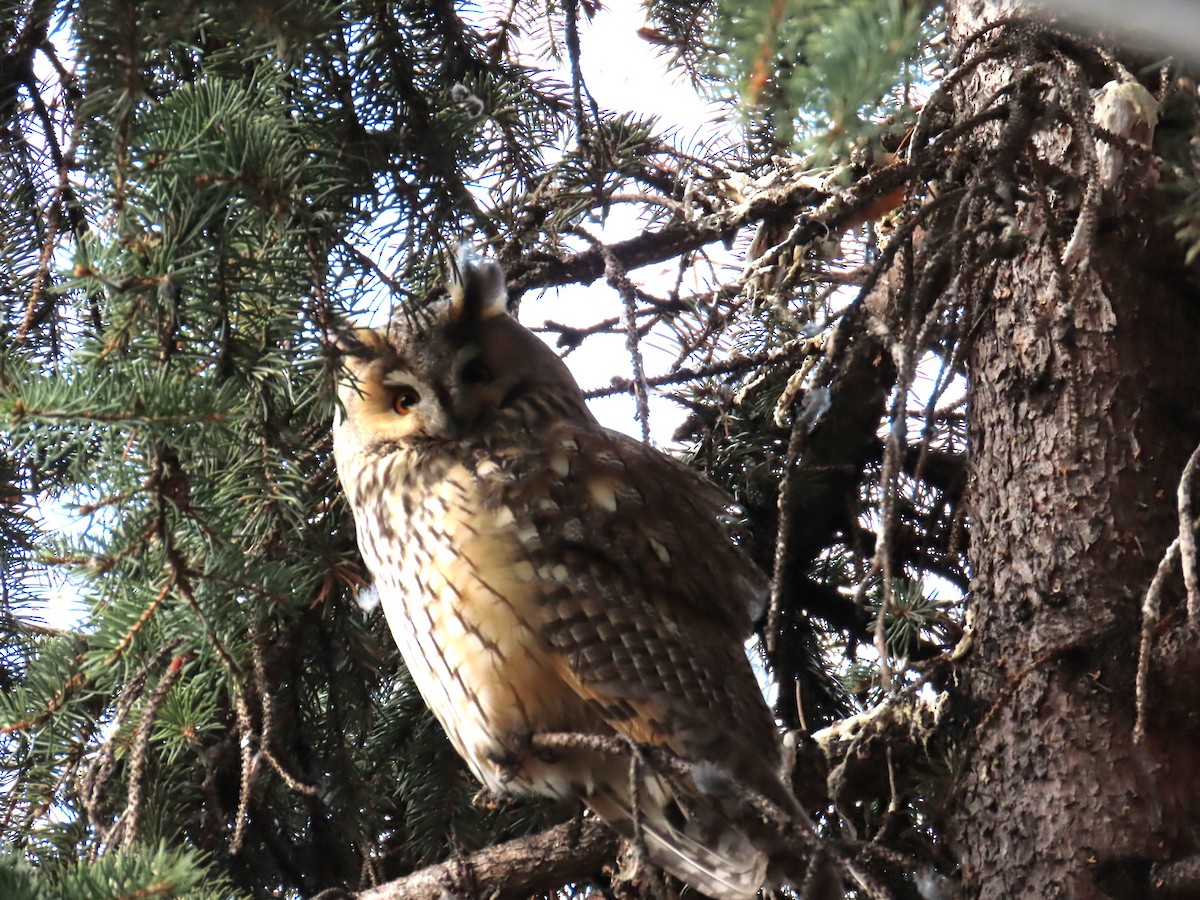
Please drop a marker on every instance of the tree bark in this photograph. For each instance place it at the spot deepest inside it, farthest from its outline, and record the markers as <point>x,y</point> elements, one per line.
<point>525,867</point>
<point>1083,381</point>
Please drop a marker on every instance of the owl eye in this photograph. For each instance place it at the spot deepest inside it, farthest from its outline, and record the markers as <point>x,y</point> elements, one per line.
<point>405,399</point>
<point>476,372</point>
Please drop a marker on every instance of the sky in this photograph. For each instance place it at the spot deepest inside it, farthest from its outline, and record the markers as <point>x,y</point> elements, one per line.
<point>624,72</point>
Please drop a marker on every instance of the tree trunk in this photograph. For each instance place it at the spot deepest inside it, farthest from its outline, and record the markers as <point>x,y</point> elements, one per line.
<point>1083,376</point>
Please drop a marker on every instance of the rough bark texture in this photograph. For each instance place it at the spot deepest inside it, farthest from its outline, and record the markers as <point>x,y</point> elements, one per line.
<point>1083,415</point>
<point>520,868</point>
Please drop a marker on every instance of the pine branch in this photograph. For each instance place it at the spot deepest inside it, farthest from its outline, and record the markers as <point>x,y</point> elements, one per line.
<point>826,214</point>
<point>528,866</point>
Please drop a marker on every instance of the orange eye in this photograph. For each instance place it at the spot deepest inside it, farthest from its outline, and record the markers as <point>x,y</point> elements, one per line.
<point>405,399</point>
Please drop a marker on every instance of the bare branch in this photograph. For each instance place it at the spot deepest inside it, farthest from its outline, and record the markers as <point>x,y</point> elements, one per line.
<point>1151,609</point>
<point>788,199</point>
<point>516,869</point>
<point>1187,535</point>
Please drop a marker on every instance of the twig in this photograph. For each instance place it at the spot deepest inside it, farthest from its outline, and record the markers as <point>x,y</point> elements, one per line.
<point>618,279</point>
<point>1150,613</point>
<point>104,761</point>
<point>783,534</point>
<point>736,362</point>
<point>248,766</point>
<point>268,724</point>
<point>139,748</point>
<point>893,807</point>
<point>137,626</point>
<point>1187,535</point>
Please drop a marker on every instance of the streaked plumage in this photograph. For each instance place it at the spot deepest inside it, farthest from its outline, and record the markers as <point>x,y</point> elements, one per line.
<point>543,574</point>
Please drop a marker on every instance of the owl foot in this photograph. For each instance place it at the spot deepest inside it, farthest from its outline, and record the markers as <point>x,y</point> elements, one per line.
<point>510,755</point>
<point>488,799</point>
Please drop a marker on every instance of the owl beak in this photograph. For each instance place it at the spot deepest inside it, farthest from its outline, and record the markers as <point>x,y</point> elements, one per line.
<point>442,422</point>
<point>453,427</point>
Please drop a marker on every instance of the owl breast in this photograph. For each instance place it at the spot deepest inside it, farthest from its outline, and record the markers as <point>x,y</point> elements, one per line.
<point>460,598</point>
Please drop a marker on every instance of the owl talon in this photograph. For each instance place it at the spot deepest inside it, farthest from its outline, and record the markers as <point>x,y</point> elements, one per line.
<point>510,757</point>
<point>491,800</point>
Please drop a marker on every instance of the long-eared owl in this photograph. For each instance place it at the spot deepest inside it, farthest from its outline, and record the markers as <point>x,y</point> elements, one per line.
<point>544,574</point>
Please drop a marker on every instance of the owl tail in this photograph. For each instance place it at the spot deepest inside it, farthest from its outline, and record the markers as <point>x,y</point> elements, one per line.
<point>698,846</point>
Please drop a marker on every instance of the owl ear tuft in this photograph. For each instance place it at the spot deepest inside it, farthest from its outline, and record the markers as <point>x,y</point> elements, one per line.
<point>477,288</point>
<point>349,339</point>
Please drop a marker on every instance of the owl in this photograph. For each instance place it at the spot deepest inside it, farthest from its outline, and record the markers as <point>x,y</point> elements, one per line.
<point>543,574</point>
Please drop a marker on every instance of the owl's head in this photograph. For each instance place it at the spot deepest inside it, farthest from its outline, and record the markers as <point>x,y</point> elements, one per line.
<point>460,368</point>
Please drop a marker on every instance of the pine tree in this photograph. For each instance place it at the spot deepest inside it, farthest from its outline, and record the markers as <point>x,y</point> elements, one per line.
<point>930,322</point>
